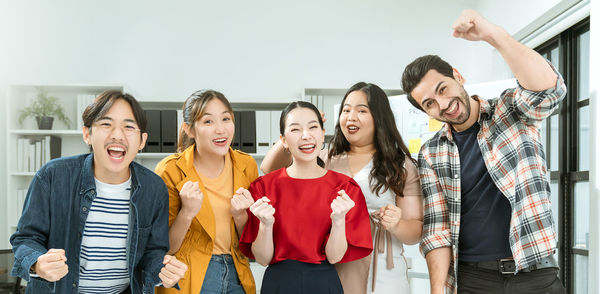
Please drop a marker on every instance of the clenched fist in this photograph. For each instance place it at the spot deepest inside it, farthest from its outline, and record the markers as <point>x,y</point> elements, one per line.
<point>263,211</point>
<point>241,201</point>
<point>172,272</point>
<point>52,265</point>
<point>340,206</point>
<point>389,216</point>
<point>191,198</point>
<point>471,26</point>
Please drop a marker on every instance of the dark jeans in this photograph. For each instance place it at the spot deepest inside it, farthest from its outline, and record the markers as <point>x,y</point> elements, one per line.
<point>477,280</point>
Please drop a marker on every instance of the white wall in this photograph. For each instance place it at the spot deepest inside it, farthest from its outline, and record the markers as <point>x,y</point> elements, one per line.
<point>513,16</point>
<point>250,50</point>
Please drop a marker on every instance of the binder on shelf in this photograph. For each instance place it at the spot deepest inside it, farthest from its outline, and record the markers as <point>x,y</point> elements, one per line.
<point>263,131</point>
<point>235,144</point>
<point>153,129</point>
<point>38,154</point>
<point>52,145</point>
<point>31,156</point>
<point>248,131</point>
<point>168,131</point>
<point>275,116</point>
<point>20,154</point>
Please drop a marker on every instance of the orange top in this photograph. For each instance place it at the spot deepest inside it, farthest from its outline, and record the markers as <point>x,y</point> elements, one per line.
<point>219,191</point>
<point>197,247</point>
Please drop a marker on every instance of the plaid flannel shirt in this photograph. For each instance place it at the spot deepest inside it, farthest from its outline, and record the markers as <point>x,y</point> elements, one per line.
<point>509,140</point>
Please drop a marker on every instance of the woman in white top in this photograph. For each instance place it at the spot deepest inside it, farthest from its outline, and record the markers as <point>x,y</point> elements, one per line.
<point>367,146</point>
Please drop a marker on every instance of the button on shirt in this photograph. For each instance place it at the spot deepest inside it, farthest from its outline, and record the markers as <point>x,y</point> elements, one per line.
<point>509,140</point>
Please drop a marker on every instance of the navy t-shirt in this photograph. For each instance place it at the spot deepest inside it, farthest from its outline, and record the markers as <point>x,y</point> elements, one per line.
<point>485,212</point>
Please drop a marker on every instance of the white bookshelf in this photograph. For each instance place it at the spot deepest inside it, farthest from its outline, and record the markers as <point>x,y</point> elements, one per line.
<point>72,143</point>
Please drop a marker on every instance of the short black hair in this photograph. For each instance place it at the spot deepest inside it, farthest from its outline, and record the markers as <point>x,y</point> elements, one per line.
<point>416,70</point>
<point>105,101</point>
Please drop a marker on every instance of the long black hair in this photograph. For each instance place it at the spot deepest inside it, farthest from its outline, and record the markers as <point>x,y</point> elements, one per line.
<point>388,170</point>
<point>300,104</point>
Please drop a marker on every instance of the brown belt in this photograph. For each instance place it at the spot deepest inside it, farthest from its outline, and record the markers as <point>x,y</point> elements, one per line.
<point>381,237</point>
<point>507,265</point>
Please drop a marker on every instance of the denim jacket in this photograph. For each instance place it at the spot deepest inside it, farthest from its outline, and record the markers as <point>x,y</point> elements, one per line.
<point>57,205</point>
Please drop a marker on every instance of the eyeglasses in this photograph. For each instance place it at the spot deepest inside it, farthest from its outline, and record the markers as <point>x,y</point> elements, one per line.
<point>107,127</point>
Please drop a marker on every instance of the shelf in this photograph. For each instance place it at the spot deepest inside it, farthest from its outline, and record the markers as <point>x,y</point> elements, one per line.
<point>163,155</point>
<point>152,155</point>
<point>47,132</point>
<point>22,174</point>
<point>341,92</point>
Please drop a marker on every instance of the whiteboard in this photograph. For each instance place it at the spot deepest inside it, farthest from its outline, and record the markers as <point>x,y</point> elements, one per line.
<point>416,127</point>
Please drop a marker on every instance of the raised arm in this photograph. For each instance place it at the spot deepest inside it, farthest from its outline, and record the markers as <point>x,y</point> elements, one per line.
<point>275,159</point>
<point>191,201</point>
<point>531,70</point>
<point>262,247</point>
<point>240,202</point>
<point>405,219</point>
<point>337,244</point>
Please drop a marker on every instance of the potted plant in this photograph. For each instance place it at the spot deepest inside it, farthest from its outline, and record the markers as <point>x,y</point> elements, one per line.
<point>44,108</point>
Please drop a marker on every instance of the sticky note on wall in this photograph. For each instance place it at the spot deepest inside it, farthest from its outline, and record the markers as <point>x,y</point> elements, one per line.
<point>414,145</point>
<point>434,125</point>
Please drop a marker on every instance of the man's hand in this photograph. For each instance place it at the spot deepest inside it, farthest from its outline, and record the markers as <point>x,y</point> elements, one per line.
<point>172,272</point>
<point>471,26</point>
<point>241,201</point>
<point>52,266</point>
<point>263,211</point>
<point>390,216</point>
<point>191,198</point>
<point>340,206</point>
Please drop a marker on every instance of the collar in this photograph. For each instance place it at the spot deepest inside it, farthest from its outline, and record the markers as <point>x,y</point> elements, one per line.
<point>186,160</point>
<point>87,175</point>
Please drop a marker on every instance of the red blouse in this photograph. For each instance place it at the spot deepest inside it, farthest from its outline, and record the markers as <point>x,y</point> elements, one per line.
<point>303,217</point>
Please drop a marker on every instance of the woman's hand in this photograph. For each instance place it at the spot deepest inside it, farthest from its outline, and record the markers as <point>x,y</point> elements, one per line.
<point>340,206</point>
<point>191,198</point>
<point>389,216</point>
<point>263,211</point>
<point>240,202</point>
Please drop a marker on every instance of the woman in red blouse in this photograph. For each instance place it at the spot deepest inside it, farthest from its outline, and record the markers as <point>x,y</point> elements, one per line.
<point>305,218</point>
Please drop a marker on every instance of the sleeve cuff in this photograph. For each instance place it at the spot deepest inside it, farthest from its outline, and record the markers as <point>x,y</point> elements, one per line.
<point>434,241</point>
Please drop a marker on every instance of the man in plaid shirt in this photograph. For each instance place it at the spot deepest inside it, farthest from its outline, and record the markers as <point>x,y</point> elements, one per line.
<point>488,226</point>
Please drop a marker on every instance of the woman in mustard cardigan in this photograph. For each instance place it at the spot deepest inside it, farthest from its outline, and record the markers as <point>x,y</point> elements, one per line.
<point>207,208</point>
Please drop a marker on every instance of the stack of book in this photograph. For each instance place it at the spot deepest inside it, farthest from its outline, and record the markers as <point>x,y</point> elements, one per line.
<point>33,152</point>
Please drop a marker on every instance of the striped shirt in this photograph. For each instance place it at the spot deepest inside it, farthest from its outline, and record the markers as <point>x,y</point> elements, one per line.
<point>509,140</point>
<point>103,258</point>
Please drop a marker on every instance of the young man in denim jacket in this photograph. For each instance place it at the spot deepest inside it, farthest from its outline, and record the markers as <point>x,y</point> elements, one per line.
<point>98,222</point>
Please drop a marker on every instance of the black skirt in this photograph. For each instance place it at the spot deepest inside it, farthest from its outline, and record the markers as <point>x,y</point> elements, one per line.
<point>295,277</point>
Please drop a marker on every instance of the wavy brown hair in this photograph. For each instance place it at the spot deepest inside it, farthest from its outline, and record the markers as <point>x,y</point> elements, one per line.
<point>388,170</point>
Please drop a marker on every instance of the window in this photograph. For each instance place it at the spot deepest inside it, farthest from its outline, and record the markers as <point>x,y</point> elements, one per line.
<point>566,138</point>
